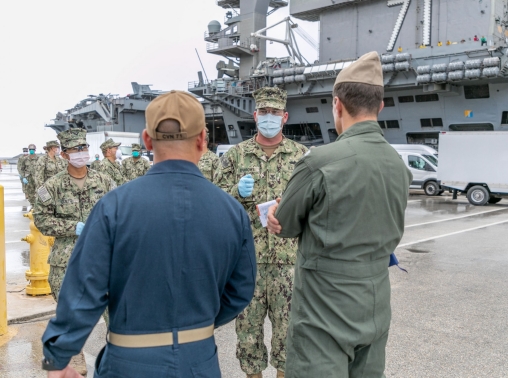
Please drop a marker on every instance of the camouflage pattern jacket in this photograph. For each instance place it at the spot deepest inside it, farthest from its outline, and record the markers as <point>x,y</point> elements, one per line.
<point>270,179</point>
<point>61,204</point>
<point>26,167</point>
<point>46,168</point>
<point>96,165</point>
<point>113,170</point>
<point>132,169</point>
<point>208,164</point>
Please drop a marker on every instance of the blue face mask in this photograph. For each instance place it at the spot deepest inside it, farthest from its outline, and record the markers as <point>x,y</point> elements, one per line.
<point>96,158</point>
<point>135,154</point>
<point>32,152</point>
<point>269,125</point>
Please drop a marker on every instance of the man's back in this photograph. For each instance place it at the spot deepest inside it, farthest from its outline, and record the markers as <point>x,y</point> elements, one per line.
<point>191,237</point>
<point>168,252</point>
<point>362,176</point>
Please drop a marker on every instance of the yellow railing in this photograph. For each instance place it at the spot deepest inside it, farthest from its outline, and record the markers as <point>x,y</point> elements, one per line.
<point>3,288</point>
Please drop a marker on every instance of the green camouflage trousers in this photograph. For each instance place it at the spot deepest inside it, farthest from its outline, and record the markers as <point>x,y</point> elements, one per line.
<point>272,296</point>
<point>55,278</point>
<point>30,191</point>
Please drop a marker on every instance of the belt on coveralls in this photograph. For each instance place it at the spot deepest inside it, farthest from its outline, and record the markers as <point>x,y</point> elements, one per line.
<point>160,339</point>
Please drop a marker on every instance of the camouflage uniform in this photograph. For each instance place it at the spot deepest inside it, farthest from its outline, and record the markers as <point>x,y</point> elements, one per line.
<point>113,170</point>
<point>275,256</point>
<point>133,169</point>
<point>47,167</point>
<point>96,165</point>
<point>208,164</point>
<point>20,169</point>
<point>28,168</point>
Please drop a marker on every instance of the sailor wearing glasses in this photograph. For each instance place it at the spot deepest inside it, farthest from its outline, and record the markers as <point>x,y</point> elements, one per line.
<point>254,172</point>
<point>63,204</point>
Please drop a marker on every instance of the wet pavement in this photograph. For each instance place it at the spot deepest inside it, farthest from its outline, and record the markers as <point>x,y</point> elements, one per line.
<point>450,312</point>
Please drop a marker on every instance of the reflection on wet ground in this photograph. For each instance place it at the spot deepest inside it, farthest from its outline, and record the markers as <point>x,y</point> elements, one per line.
<point>449,312</point>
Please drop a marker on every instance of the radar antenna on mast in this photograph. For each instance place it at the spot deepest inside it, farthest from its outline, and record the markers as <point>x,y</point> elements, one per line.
<point>289,41</point>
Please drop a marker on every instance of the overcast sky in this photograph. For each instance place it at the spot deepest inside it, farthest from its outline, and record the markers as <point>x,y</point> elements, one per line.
<point>55,53</point>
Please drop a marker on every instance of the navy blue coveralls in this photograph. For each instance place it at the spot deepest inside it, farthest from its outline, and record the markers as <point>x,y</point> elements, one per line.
<point>168,251</point>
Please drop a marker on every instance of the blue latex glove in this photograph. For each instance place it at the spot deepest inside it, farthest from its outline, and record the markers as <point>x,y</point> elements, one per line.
<point>20,176</point>
<point>25,181</point>
<point>79,228</point>
<point>246,186</point>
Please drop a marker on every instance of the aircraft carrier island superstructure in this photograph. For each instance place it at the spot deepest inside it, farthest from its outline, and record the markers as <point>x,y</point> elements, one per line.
<point>444,61</point>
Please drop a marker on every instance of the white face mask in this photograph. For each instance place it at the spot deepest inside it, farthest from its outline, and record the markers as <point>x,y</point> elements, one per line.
<point>79,159</point>
<point>269,125</point>
<point>57,152</point>
<point>119,154</point>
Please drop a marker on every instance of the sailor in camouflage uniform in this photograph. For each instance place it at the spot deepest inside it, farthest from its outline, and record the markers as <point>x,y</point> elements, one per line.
<point>27,170</point>
<point>96,164</point>
<point>20,165</point>
<point>64,202</point>
<point>109,165</point>
<point>135,166</point>
<point>63,205</point>
<point>209,162</point>
<point>50,164</point>
<point>256,171</point>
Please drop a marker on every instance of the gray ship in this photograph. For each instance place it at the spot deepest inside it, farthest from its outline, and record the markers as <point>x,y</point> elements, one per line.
<point>444,61</point>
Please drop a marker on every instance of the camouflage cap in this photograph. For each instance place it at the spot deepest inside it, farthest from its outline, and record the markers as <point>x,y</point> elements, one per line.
<point>52,143</point>
<point>32,147</point>
<point>270,97</point>
<point>136,147</point>
<point>25,149</point>
<point>72,137</point>
<point>109,144</point>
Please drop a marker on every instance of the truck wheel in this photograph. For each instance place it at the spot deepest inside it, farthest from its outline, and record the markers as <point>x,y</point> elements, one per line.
<point>431,188</point>
<point>478,195</point>
<point>494,200</point>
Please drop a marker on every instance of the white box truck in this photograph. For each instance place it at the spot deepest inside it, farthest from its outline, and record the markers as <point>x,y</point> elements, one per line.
<point>97,138</point>
<point>475,163</point>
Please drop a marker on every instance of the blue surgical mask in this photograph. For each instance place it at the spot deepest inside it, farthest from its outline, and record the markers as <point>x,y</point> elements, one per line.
<point>135,153</point>
<point>32,152</point>
<point>269,125</point>
<point>97,158</point>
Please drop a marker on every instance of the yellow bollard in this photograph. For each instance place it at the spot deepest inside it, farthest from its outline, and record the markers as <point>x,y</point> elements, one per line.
<point>3,281</point>
<point>40,247</point>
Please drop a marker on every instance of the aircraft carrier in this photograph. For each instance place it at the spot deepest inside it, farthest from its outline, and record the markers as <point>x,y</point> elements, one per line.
<point>445,68</point>
<point>445,65</point>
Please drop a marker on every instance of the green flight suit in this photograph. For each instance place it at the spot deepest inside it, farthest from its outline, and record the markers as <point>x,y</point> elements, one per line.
<point>275,257</point>
<point>346,203</point>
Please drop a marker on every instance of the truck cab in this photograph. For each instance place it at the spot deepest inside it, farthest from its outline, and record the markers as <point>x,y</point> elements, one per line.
<point>424,170</point>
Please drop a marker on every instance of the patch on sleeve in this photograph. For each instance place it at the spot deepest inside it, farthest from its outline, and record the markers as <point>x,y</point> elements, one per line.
<point>224,161</point>
<point>43,194</point>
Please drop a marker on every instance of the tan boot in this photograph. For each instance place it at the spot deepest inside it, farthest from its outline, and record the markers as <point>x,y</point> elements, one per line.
<point>258,375</point>
<point>280,374</point>
<point>79,364</point>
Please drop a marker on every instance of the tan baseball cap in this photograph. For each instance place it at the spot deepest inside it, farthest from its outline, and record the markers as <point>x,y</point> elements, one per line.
<point>179,106</point>
<point>366,70</point>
